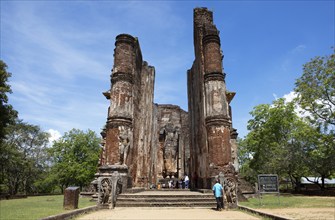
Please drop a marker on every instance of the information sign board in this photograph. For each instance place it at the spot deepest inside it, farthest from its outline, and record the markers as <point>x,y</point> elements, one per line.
<point>268,183</point>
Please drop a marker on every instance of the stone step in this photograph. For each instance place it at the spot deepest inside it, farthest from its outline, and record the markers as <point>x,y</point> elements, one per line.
<point>165,204</point>
<point>164,196</point>
<point>194,199</point>
<point>166,199</point>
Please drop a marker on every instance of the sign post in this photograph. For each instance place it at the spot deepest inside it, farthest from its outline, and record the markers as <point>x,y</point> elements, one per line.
<point>268,183</point>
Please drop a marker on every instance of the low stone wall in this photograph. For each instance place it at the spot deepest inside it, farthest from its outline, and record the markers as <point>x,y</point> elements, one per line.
<point>268,215</point>
<point>71,214</point>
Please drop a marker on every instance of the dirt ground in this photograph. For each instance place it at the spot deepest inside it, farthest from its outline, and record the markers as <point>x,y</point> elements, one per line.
<point>166,213</point>
<point>303,213</point>
<point>206,214</point>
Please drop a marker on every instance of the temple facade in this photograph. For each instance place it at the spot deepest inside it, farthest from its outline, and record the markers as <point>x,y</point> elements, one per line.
<point>155,142</point>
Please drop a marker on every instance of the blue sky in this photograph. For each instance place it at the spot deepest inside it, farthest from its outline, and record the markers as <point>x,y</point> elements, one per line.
<point>61,52</point>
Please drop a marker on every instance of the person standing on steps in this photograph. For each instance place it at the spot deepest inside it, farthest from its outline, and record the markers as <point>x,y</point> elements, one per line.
<point>187,180</point>
<point>218,193</point>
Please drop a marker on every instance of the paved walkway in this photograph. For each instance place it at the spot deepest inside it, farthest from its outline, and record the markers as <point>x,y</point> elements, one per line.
<point>166,214</point>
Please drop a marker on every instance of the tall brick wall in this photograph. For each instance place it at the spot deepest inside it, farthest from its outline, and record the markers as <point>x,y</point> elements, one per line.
<point>144,132</point>
<point>209,112</point>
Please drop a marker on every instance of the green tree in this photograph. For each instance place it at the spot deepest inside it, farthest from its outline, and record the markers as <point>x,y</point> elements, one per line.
<point>320,158</point>
<point>277,140</point>
<point>23,157</point>
<point>75,158</point>
<point>7,113</point>
<point>316,90</point>
<point>244,159</point>
<point>316,96</point>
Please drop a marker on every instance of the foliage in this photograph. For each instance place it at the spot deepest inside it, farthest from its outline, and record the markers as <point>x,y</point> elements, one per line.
<point>23,157</point>
<point>244,159</point>
<point>278,141</point>
<point>316,90</point>
<point>7,113</point>
<point>316,95</point>
<point>37,207</point>
<point>75,157</point>
<point>320,158</point>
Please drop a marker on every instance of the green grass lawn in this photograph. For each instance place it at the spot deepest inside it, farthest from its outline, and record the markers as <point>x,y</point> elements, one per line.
<point>290,201</point>
<point>36,207</point>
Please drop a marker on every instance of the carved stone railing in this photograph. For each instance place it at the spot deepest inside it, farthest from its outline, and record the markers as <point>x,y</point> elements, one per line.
<point>228,179</point>
<point>108,190</point>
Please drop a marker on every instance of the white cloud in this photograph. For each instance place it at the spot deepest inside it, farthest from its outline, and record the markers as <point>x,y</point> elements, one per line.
<point>45,46</point>
<point>290,96</point>
<point>298,110</point>
<point>275,96</point>
<point>54,135</point>
<point>291,57</point>
<point>298,49</point>
<point>57,76</point>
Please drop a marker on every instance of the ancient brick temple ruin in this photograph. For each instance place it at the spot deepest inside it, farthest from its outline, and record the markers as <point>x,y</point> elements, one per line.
<point>150,142</point>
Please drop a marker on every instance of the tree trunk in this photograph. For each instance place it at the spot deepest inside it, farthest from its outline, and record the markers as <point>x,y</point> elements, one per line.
<point>322,182</point>
<point>297,183</point>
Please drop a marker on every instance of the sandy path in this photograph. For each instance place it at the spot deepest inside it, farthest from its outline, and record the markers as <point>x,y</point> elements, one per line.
<point>166,213</point>
<point>304,213</point>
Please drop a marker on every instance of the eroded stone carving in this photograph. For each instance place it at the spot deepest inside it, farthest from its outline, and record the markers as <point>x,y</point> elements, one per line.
<point>230,192</point>
<point>109,188</point>
<point>116,188</point>
<point>170,150</point>
<point>230,185</point>
<point>104,190</point>
<point>124,145</point>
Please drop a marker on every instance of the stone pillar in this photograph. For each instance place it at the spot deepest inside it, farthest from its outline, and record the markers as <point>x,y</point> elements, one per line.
<point>217,118</point>
<point>119,132</point>
<point>212,51</point>
<point>71,198</point>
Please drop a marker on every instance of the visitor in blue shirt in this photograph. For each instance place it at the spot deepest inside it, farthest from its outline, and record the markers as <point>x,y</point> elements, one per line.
<point>218,193</point>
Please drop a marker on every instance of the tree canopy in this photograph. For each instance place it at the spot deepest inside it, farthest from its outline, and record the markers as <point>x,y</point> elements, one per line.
<point>277,140</point>
<point>316,91</point>
<point>316,96</point>
<point>23,157</point>
<point>7,113</point>
<point>75,158</point>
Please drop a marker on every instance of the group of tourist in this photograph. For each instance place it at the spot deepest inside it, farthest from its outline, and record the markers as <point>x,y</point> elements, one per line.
<point>183,183</point>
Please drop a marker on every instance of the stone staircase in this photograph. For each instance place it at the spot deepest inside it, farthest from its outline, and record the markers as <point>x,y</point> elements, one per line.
<point>183,198</point>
